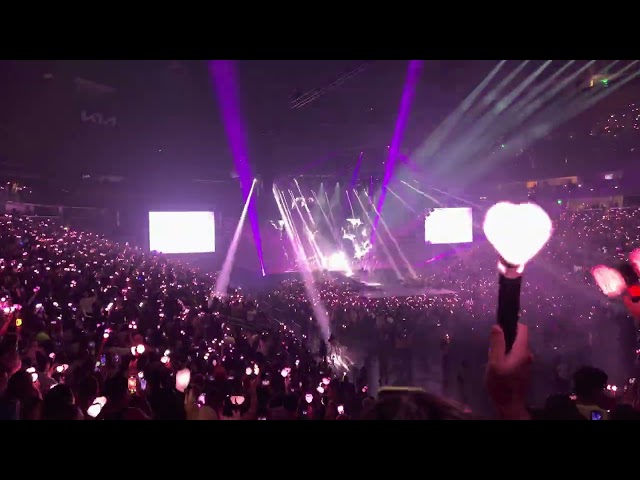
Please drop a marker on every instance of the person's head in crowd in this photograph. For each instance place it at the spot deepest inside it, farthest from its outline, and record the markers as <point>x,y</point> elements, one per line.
<point>43,363</point>
<point>21,386</point>
<point>10,361</point>
<point>21,389</point>
<point>55,401</point>
<point>589,384</point>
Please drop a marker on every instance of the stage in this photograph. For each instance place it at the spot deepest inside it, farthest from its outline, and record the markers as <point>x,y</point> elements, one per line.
<point>400,291</point>
<point>380,284</point>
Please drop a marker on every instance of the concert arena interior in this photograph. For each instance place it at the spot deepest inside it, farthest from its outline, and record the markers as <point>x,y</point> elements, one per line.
<point>319,240</point>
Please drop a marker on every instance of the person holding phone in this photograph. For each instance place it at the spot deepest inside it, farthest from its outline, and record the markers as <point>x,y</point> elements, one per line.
<point>590,388</point>
<point>118,407</point>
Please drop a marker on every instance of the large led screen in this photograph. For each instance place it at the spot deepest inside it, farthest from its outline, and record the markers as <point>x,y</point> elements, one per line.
<point>449,225</point>
<point>182,232</point>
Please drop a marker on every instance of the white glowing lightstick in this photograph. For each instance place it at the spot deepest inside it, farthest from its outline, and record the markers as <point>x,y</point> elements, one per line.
<point>517,232</point>
<point>183,377</point>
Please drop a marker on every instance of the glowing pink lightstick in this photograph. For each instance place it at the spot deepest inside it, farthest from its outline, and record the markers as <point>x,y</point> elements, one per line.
<point>609,280</point>
<point>517,232</point>
<point>183,377</point>
<point>622,280</point>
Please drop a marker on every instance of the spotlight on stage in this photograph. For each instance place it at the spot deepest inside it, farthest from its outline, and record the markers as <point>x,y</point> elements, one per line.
<point>339,262</point>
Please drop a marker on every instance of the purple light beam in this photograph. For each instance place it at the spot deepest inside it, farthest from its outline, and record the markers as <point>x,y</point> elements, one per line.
<point>223,75</point>
<point>413,74</point>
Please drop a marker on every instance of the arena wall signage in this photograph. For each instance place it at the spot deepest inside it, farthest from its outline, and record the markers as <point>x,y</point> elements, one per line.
<point>98,119</point>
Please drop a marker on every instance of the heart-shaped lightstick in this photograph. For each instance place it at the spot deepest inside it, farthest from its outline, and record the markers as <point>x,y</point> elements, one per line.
<point>622,280</point>
<point>518,233</point>
<point>609,280</point>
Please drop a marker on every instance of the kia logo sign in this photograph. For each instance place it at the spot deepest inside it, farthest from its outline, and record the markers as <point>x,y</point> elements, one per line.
<point>98,119</point>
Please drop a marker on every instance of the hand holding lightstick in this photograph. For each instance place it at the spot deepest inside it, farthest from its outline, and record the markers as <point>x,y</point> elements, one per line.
<point>518,233</point>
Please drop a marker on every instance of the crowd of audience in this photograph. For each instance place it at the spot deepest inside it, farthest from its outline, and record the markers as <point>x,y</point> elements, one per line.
<point>94,330</point>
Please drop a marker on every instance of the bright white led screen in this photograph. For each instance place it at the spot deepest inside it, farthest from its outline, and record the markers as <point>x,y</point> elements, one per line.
<point>182,232</point>
<point>449,225</point>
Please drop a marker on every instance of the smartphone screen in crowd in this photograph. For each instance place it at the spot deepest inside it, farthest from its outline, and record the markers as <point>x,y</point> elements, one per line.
<point>596,415</point>
<point>133,384</point>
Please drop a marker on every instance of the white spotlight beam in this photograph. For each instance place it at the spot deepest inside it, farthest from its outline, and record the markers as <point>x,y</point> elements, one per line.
<point>309,285</point>
<point>401,200</point>
<point>434,200</point>
<point>222,283</point>
<point>434,140</point>
<point>353,213</point>
<point>310,237</point>
<point>555,115</point>
<point>288,217</point>
<point>412,272</point>
<point>305,202</point>
<point>330,207</point>
<point>379,238</point>
<point>324,214</point>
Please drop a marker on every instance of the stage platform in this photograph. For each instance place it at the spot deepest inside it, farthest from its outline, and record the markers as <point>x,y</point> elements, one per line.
<point>251,281</point>
<point>400,291</point>
<point>369,286</point>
